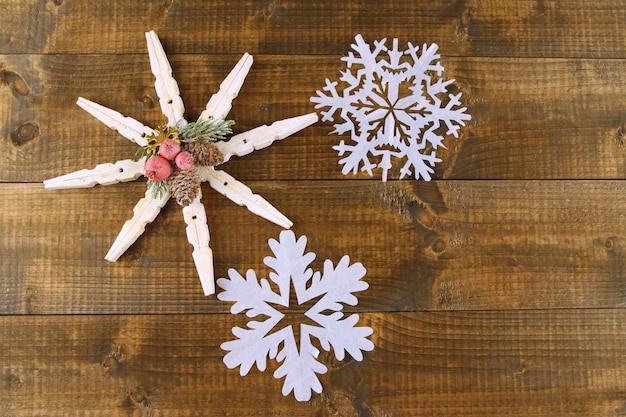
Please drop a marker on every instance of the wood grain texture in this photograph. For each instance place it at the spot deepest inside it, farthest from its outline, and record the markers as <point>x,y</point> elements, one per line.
<point>528,121</point>
<point>497,289</point>
<point>460,27</point>
<point>444,245</point>
<point>515,363</point>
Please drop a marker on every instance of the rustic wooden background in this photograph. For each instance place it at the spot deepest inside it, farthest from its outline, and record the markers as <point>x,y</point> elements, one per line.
<point>495,289</point>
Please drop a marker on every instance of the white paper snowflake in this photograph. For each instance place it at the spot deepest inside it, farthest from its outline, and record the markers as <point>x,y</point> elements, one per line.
<point>334,287</point>
<point>394,104</point>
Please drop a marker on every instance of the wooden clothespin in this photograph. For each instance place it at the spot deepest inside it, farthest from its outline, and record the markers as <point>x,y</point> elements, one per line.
<point>172,107</point>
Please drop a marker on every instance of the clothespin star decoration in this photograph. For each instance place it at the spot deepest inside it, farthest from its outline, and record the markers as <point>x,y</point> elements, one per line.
<point>179,156</point>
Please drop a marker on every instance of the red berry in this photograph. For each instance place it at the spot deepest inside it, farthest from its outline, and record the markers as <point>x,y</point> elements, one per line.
<point>184,160</point>
<point>169,148</point>
<point>158,168</point>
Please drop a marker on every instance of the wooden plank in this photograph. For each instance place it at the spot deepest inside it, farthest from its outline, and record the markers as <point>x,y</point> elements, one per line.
<point>492,363</point>
<point>532,119</point>
<point>458,245</point>
<point>461,28</point>
<point>487,297</point>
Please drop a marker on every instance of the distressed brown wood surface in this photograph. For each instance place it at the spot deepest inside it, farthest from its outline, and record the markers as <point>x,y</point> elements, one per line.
<point>492,363</point>
<point>540,28</point>
<point>528,121</point>
<point>497,289</point>
<point>443,245</point>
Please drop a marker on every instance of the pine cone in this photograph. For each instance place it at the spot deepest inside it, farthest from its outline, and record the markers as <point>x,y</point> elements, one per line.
<point>184,185</point>
<point>205,153</point>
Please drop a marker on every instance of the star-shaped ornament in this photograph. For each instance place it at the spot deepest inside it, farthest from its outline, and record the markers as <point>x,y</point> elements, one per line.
<point>179,156</point>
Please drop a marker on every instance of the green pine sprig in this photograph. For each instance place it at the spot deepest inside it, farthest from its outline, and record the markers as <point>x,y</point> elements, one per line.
<point>142,151</point>
<point>210,130</point>
<point>158,188</point>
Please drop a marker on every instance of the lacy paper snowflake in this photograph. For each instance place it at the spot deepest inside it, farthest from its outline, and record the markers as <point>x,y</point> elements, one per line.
<point>394,104</point>
<point>334,287</point>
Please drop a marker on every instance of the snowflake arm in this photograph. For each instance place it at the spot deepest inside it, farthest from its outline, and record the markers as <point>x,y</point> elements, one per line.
<point>198,236</point>
<point>263,136</point>
<point>248,294</point>
<point>357,156</point>
<point>241,194</point>
<point>290,263</point>
<point>144,212</point>
<point>165,85</point>
<point>254,345</point>
<point>342,335</point>
<point>103,174</point>
<point>337,286</point>
<point>300,369</point>
<point>220,103</point>
<point>423,63</point>
<point>128,127</point>
<point>366,57</point>
<point>344,280</point>
<point>455,115</point>
<point>421,164</point>
<point>334,101</point>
